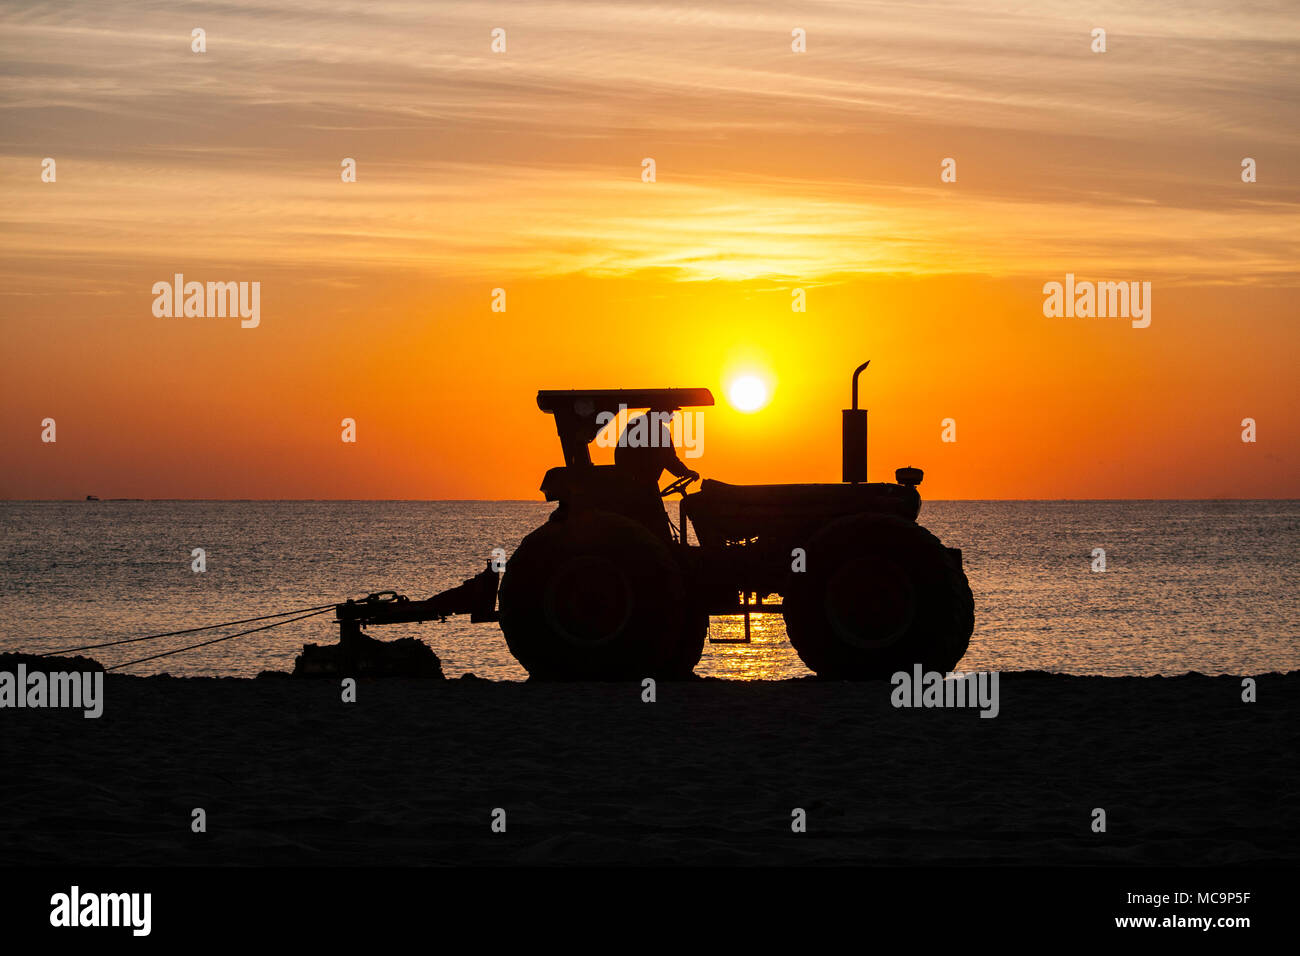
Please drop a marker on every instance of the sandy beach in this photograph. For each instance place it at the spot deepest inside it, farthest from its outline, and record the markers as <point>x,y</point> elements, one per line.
<point>1187,773</point>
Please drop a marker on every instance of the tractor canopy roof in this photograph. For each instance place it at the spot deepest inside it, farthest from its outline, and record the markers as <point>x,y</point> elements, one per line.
<point>585,402</point>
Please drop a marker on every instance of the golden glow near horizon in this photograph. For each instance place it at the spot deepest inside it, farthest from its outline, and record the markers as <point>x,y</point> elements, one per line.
<point>816,174</point>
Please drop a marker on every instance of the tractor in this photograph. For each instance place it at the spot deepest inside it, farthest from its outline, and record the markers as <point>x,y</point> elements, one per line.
<point>609,588</point>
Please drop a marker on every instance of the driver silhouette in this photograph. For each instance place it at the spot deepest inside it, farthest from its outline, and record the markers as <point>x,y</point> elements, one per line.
<point>645,449</point>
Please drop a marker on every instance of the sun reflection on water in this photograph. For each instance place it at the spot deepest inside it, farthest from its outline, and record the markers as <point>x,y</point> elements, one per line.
<point>768,656</point>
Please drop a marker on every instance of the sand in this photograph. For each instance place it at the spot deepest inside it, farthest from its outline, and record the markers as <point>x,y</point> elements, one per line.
<point>1187,773</point>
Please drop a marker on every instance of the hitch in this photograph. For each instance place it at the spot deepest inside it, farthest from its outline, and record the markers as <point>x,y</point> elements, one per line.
<point>476,597</point>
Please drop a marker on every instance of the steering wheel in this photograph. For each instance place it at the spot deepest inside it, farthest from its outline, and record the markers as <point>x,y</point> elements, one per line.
<point>680,485</point>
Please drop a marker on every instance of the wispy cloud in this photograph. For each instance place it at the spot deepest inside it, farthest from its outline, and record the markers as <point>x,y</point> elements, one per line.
<point>770,162</point>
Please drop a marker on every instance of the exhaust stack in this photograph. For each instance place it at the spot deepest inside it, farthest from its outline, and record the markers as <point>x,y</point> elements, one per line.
<point>854,445</point>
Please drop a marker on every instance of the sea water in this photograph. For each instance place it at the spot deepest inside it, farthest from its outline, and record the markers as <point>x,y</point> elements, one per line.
<point>1208,586</point>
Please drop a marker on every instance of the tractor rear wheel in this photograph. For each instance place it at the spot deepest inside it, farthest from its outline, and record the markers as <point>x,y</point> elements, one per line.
<point>594,596</point>
<point>879,595</point>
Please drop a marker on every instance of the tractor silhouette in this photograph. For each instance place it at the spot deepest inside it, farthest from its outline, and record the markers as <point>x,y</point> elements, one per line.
<point>610,589</point>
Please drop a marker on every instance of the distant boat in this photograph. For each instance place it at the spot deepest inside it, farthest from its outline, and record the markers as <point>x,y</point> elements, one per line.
<point>92,497</point>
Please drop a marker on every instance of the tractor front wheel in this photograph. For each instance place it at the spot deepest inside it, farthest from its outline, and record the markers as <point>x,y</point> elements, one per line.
<point>879,595</point>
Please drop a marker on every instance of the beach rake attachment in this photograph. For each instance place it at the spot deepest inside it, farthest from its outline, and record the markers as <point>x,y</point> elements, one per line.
<point>358,654</point>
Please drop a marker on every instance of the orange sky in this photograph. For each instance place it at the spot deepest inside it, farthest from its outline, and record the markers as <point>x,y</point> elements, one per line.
<point>522,171</point>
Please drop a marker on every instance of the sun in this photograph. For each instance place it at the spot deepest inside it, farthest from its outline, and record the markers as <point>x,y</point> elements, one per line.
<point>748,393</point>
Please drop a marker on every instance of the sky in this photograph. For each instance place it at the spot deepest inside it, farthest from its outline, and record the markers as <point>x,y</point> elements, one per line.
<point>522,170</point>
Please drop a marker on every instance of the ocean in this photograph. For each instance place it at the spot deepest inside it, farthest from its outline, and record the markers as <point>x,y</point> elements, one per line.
<point>1206,586</point>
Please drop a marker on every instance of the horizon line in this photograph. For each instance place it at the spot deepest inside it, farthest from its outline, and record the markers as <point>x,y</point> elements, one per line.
<point>537,501</point>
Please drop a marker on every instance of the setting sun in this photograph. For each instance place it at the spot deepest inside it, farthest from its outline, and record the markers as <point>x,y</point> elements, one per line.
<point>747,393</point>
